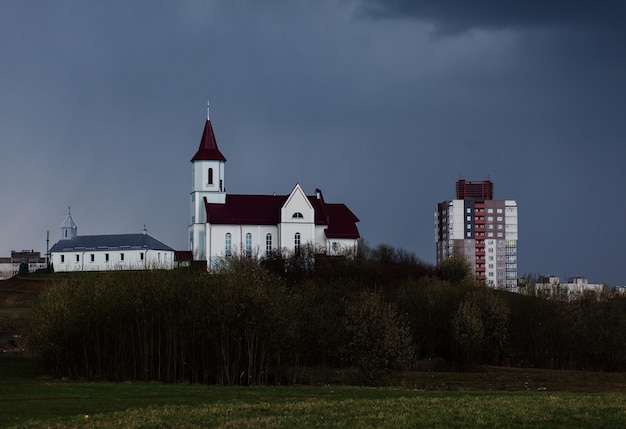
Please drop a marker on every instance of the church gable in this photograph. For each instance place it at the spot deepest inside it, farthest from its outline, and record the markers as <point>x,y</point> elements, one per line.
<point>297,208</point>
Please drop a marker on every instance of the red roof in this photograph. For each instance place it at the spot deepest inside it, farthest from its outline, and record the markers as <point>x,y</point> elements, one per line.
<point>265,210</point>
<point>341,222</point>
<point>208,150</point>
<point>183,255</point>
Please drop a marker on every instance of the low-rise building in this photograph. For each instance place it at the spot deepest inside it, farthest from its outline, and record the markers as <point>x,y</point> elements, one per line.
<point>10,266</point>
<point>576,287</point>
<point>108,252</point>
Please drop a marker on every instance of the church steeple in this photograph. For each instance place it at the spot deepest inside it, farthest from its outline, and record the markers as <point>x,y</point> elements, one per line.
<point>69,230</point>
<point>208,185</point>
<point>208,150</point>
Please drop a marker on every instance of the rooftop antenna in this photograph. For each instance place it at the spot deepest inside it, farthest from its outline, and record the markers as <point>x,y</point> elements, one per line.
<point>208,105</point>
<point>145,231</point>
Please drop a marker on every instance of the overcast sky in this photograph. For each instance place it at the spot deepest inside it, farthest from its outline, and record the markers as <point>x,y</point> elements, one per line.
<point>381,104</point>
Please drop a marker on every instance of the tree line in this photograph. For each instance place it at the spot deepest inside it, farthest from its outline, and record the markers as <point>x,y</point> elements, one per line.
<point>262,322</point>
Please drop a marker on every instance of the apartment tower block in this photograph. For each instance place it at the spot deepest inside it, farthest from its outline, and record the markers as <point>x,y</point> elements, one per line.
<point>483,230</point>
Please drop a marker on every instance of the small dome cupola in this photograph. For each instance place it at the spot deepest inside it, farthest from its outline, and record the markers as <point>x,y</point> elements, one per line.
<point>69,230</point>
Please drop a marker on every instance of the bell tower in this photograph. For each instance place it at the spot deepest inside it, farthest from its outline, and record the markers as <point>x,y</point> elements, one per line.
<point>207,183</point>
<point>69,230</point>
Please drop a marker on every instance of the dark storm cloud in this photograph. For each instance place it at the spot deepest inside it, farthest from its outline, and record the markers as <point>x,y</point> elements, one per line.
<point>456,16</point>
<point>103,105</point>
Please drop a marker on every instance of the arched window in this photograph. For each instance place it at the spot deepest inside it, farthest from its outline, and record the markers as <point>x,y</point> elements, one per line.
<point>248,244</point>
<point>297,215</point>
<point>296,240</point>
<point>268,244</point>
<point>210,176</point>
<point>228,241</point>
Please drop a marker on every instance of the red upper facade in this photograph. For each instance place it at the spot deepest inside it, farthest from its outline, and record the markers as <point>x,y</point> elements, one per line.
<point>208,150</point>
<point>474,190</point>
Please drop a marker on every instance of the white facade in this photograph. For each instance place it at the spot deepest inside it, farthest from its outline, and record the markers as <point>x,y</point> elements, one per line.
<point>222,225</point>
<point>108,252</point>
<point>296,228</point>
<point>111,260</point>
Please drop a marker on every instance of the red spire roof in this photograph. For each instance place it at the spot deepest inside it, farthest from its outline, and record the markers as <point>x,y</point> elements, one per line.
<point>208,150</point>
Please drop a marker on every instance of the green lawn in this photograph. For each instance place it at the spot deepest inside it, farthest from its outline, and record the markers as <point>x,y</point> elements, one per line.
<point>490,399</point>
<point>71,404</point>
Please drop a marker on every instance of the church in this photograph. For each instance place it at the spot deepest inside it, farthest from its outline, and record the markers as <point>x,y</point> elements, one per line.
<point>108,252</point>
<point>224,224</point>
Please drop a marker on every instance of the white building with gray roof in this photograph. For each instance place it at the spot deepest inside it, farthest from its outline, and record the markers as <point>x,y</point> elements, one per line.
<point>108,252</point>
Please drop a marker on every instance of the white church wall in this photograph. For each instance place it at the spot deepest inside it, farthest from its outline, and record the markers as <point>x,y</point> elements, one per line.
<point>112,260</point>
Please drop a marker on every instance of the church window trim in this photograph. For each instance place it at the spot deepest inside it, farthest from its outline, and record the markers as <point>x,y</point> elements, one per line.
<point>228,244</point>
<point>268,244</point>
<point>248,244</point>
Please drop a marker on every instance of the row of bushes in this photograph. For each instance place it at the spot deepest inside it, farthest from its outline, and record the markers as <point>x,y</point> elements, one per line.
<point>253,323</point>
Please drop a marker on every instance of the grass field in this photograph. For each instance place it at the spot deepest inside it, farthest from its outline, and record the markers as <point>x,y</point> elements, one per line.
<point>489,399</point>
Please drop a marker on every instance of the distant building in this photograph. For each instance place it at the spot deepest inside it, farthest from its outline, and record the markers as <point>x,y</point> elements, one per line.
<point>10,266</point>
<point>576,287</point>
<point>483,230</point>
<point>224,224</point>
<point>108,252</point>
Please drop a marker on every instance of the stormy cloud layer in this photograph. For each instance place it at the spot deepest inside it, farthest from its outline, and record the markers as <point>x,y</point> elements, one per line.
<point>381,104</point>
